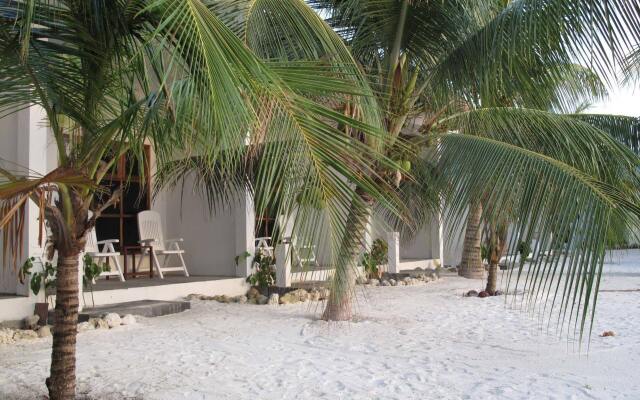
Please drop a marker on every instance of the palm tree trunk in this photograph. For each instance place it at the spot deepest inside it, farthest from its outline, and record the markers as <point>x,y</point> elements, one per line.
<point>471,265</point>
<point>340,302</point>
<point>62,382</point>
<point>492,278</point>
<point>498,242</point>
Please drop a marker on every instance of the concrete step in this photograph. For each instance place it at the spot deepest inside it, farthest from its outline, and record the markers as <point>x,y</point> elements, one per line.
<point>143,308</point>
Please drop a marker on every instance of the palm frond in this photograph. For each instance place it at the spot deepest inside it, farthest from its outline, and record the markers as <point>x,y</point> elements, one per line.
<point>569,211</point>
<point>624,129</point>
<point>543,36</point>
<point>564,138</point>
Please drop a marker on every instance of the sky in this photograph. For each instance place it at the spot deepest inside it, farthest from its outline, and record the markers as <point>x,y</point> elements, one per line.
<point>621,101</point>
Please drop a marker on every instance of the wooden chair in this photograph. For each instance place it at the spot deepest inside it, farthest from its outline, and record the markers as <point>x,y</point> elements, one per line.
<point>108,253</point>
<point>150,229</point>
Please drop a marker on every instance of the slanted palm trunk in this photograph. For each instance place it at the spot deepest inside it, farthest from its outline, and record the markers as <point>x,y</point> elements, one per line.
<point>471,265</point>
<point>340,302</point>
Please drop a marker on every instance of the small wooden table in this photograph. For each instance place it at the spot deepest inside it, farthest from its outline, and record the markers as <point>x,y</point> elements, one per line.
<point>134,251</point>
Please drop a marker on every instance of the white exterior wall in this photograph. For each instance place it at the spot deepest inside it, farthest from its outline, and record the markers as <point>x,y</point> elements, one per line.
<point>8,152</point>
<point>453,241</point>
<point>419,247</point>
<point>426,244</point>
<point>25,145</point>
<point>211,242</point>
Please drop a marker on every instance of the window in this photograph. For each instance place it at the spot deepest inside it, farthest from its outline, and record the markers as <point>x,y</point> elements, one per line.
<point>120,221</point>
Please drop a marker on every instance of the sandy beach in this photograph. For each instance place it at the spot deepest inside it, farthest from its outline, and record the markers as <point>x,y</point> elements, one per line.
<point>414,342</point>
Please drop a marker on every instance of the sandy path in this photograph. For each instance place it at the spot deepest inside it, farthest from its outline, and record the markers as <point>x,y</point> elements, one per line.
<point>418,342</point>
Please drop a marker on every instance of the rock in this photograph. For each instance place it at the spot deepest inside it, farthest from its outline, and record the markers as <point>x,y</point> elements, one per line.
<point>472,293</point>
<point>25,334</point>
<point>31,322</point>
<point>207,298</point>
<point>44,331</point>
<point>498,293</point>
<point>324,293</point>
<point>240,299</point>
<point>99,323</point>
<point>361,280</point>
<point>407,280</point>
<point>314,295</point>
<point>252,300</point>
<point>113,320</point>
<point>402,283</point>
<point>300,295</point>
<point>608,334</point>
<point>274,299</point>
<point>194,296</point>
<point>128,320</point>
<point>288,299</point>
<point>385,283</point>
<point>86,326</point>
<point>374,282</point>
<point>393,282</point>
<point>253,293</point>
<point>6,336</point>
<point>262,299</point>
<point>223,299</point>
<point>483,294</point>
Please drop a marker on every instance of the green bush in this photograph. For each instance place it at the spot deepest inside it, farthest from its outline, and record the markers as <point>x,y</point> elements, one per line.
<point>376,257</point>
<point>265,272</point>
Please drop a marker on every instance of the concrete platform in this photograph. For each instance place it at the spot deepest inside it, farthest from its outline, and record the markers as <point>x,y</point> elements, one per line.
<point>172,288</point>
<point>142,308</point>
<point>14,308</point>
<point>315,275</point>
<point>408,264</point>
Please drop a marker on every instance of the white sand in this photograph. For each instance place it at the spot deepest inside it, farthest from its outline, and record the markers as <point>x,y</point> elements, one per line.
<point>420,342</point>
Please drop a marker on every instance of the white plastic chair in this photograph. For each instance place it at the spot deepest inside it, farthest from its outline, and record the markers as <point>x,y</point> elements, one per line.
<point>305,255</point>
<point>150,229</point>
<point>108,253</point>
<point>263,244</point>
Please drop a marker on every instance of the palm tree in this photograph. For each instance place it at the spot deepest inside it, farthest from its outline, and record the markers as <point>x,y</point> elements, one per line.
<point>454,63</point>
<point>112,75</point>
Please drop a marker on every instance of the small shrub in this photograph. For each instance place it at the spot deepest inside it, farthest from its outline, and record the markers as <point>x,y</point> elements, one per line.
<point>45,278</point>
<point>524,249</point>
<point>265,272</point>
<point>378,256</point>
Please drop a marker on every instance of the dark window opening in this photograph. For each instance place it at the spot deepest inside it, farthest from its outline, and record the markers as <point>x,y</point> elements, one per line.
<point>120,220</point>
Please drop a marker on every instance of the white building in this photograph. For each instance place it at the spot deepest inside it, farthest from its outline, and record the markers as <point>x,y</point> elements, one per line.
<point>211,242</point>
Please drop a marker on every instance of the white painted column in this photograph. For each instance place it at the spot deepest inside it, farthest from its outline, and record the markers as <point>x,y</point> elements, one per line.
<point>283,265</point>
<point>32,135</point>
<point>80,285</point>
<point>245,220</point>
<point>393,242</point>
<point>437,239</point>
